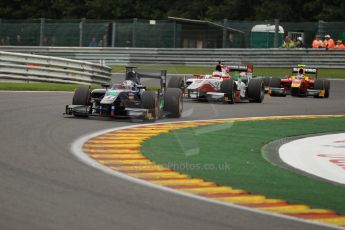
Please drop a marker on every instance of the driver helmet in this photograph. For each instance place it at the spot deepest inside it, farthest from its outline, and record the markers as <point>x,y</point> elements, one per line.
<point>299,76</point>
<point>128,84</point>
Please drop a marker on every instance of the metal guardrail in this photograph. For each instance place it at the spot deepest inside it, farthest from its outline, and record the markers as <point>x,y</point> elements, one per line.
<point>274,57</point>
<point>38,68</point>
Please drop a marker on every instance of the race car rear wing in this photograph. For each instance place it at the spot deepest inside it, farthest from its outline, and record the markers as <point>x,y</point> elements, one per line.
<point>304,70</point>
<point>132,73</point>
<point>241,68</point>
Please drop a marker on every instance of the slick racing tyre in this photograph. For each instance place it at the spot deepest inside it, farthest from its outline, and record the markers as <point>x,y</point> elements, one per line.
<point>275,82</point>
<point>81,96</point>
<point>267,81</point>
<point>327,85</point>
<point>228,87</point>
<point>149,101</point>
<point>176,82</point>
<point>322,84</point>
<point>173,102</point>
<point>256,90</point>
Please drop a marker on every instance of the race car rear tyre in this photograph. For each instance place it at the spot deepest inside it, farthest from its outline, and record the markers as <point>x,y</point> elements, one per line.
<point>81,96</point>
<point>228,87</point>
<point>149,101</point>
<point>275,82</point>
<point>322,84</point>
<point>176,82</point>
<point>173,102</point>
<point>256,90</point>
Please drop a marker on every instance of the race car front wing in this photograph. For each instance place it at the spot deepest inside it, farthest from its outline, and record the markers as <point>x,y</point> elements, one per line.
<point>195,94</point>
<point>86,110</point>
<point>284,92</point>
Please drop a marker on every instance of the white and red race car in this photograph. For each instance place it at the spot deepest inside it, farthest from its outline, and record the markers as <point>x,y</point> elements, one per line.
<point>220,86</point>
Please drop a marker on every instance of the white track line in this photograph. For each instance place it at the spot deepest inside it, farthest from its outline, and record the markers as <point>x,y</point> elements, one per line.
<point>76,148</point>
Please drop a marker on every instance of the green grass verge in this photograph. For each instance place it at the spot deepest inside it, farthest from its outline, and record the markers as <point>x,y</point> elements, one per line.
<point>231,155</point>
<point>39,86</point>
<point>259,71</point>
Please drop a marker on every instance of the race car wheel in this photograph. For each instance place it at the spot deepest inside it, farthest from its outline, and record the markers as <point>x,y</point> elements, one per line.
<point>173,102</point>
<point>81,96</point>
<point>275,82</point>
<point>267,81</point>
<point>256,90</point>
<point>176,82</point>
<point>322,84</point>
<point>228,87</point>
<point>149,101</point>
<point>327,85</point>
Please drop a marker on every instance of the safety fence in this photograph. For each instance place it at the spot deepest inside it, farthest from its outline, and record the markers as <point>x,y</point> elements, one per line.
<point>171,33</point>
<point>38,68</point>
<point>273,57</point>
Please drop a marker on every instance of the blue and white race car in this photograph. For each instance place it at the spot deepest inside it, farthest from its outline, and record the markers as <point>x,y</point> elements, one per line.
<point>129,99</point>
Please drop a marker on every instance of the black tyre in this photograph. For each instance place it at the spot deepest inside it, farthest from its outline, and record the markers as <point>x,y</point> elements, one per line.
<point>322,84</point>
<point>228,87</point>
<point>176,82</point>
<point>173,103</point>
<point>256,90</point>
<point>267,81</point>
<point>149,101</point>
<point>275,82</point>
<point>81,96</point>
<point>327,85</point>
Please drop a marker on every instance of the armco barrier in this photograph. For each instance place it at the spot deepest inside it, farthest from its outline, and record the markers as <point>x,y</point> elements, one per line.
<point>275,57</point>
<point>28,67</point>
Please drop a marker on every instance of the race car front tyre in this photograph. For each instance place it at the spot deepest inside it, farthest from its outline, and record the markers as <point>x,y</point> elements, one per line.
<point>228,87</point>
<point>81,96</point>
<point>327,85</point>
<point>149,101</point>
<point>267,81</point>
<point>256,90</point>
<point>275,82</point>
<point>322,84</point>
<point>176,82</point>
<point>173,102</point>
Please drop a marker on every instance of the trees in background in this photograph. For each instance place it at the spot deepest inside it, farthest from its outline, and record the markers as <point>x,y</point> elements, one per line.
<point>288,10</point>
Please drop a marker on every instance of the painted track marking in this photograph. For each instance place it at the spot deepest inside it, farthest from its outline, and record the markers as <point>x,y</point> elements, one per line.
<point>106,151</point>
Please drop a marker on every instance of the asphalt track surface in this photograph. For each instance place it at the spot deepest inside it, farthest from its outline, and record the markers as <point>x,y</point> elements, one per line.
<point>43,186</point>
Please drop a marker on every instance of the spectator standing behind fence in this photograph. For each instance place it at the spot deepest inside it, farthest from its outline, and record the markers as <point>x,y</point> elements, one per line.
<point>93,42</point>
<point>299,43</point>
<point>317,42</point>
<point>53,41</point>
<point>45,42</point>
<point>8,41</point>
<point>288,42</point>
<point>105,40</point>
<point>339,45</point>
<point>18,41</point>
<point>328,42</point>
